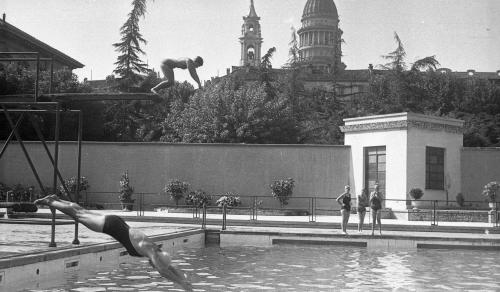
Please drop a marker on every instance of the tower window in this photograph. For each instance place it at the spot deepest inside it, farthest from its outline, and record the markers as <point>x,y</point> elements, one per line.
<point>250,28</point>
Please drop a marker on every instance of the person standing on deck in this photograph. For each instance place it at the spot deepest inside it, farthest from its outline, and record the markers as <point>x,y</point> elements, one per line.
<point>345,201</point>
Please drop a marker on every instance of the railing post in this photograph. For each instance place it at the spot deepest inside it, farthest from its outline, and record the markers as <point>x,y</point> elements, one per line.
<point>224,212</point>
<point>496,214</point>
<point>312,202</point>
<point>56,164</point>
<point>434,213</point>
<point>204,217</point>
<point>256,208</point>
<point>78,162</point>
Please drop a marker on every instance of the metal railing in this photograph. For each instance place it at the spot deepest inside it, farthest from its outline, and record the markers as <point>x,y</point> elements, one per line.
<point>253,206</point>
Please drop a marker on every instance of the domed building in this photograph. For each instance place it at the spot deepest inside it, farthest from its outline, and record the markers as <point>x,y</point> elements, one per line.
<point>320,53</point>
<point>320,39</point>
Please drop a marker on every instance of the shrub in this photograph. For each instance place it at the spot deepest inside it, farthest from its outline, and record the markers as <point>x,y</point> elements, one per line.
<point>20,193</point>
<point>198,198</point>
<point>71,184</point>
<point>229,199</point>
<point>416,193</point>
<point>282,190</point>
<point>126,191</point>
<point>460,199</point>
<point>176,189</point>
<point>490,191</point>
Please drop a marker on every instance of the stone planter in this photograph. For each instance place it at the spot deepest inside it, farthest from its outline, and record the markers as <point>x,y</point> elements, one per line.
<point>417,204</point>
<point>128,206</point>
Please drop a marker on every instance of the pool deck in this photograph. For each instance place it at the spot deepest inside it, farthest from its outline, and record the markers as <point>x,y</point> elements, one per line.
<point>32,235</point>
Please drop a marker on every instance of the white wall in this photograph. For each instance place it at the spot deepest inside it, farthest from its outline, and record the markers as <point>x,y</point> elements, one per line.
<point>418,140</point>
<point>395,143</point>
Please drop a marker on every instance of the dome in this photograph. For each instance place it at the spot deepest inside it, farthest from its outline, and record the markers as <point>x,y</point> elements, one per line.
<point>320,8</point>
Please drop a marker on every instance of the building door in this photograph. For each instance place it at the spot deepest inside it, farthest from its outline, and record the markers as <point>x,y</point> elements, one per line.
<point>375,168</point>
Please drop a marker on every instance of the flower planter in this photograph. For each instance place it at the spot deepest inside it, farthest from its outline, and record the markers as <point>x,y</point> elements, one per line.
<point>417,204</point>
<point>127,206</point>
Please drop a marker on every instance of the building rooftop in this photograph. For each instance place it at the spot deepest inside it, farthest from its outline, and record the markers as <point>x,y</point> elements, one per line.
<point>320,8</point>
<point>9,30</point>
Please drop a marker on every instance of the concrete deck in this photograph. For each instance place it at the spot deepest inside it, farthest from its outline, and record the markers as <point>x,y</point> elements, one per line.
<point>32,235</point>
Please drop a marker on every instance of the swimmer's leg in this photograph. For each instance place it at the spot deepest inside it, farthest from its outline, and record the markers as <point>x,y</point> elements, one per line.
<point>168,72</point>
<point>92,220</point>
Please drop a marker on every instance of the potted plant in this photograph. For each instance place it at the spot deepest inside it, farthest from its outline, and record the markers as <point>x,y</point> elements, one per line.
<point>416,194</point>
<point>490,192</point>
<point>126,192</point>
<point>176,189</point>
<point>198,198</point>
<point>282,190</point>
<point>229,199</point>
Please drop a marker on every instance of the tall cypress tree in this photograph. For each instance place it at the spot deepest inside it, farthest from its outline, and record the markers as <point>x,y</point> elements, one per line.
<point>129,63</point>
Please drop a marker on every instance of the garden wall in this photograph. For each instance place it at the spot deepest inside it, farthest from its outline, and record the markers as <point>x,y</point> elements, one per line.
<point>320,171</point>
<point>479,167</point>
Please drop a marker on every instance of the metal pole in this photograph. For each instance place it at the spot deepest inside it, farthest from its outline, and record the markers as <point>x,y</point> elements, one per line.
<point>11,135</point>
<point>26,154</point>
<point>78,171</point>
<point>37,78</point>
<point>256,208</point>
<point>224,212</point>
<point>42,139</point>
<point>204,219</point>
<point>54,185</point>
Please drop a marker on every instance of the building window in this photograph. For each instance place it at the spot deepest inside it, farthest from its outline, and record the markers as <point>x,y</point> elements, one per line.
<point>375,168</point>
<point>434,168</point>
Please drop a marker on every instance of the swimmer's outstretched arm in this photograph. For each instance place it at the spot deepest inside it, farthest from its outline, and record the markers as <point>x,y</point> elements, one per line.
<point>192,71</point>
<point>159,259</point>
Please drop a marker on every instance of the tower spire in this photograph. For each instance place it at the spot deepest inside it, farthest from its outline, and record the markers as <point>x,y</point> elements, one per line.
<point>252,10</point>
<point>251,39</point>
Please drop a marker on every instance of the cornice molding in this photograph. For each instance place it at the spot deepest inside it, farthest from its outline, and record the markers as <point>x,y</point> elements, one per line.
<point>400,125</point>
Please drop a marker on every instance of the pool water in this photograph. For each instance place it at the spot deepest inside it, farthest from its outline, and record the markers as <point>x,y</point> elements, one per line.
<point>299,268</point>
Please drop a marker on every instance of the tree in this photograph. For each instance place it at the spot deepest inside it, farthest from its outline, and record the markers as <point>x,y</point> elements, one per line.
<point>266,59</point>
<point>293,51</point>
<point>396,58</point>
<point>128,64</point>
<point>229,111</point>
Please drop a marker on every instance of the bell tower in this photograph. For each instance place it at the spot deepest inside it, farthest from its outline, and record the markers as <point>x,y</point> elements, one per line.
<point>251,40</point>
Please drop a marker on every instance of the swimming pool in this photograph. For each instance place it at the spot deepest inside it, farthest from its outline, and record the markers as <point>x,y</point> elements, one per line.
<point>297,268</point>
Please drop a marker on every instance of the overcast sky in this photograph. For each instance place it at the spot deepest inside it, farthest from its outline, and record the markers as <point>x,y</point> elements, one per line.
<point>463,34</point>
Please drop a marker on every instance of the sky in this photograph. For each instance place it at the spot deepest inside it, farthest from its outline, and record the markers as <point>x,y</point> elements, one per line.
<point>462,34</point>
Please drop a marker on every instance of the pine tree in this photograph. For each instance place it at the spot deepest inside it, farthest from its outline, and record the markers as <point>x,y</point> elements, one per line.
<point>129,63</point>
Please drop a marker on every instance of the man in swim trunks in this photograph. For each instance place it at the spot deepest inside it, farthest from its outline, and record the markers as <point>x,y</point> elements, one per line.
<point>168,67</point>
<point>134,240</point>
